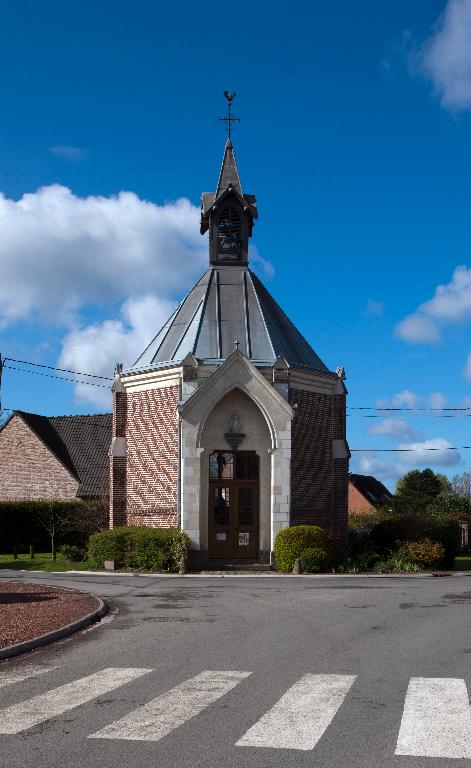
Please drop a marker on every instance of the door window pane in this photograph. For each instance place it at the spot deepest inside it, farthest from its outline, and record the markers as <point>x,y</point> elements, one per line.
<point>246,466</point>
<point>245,506</point>
<point>213,467</point>
<point>221,465</point>
<point>226,466</point>
<point>221,506</point>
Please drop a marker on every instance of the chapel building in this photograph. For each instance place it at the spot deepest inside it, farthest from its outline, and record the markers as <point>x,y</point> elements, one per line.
<point>229,425</point>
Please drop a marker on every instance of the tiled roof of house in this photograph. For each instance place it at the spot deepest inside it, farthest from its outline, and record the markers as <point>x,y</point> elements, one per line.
<point>371,488</point>
<point>80,443</point>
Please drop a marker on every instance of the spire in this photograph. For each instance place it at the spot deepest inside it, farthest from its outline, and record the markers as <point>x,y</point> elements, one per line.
<point>229,175</point>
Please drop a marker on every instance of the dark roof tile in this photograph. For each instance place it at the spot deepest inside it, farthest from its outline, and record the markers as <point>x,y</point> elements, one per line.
<point>81,444</point>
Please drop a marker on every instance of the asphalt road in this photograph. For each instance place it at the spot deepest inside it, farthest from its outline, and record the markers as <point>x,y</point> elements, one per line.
<point>252,671</point>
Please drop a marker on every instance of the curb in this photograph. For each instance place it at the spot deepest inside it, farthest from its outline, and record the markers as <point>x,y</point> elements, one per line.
<point>56,634</point>
<point>254,575</point>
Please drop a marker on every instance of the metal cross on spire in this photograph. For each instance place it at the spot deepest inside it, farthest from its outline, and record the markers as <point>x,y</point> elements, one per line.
<point>229,118</point>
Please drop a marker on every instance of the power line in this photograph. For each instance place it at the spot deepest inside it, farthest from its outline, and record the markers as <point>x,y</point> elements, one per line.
<point>377,408</point>
<point>409,450</point>
<point>53,368</point>
<point>51,376</point>
<point>460,415</point>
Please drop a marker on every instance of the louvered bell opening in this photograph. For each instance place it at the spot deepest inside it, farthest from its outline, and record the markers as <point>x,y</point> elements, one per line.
<point>229,233</point>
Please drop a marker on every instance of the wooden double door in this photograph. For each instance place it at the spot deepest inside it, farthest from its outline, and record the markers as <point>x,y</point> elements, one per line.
<point>233,505</point>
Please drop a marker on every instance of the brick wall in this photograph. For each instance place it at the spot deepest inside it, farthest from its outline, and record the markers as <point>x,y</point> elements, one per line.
<point>318,482</point>
<point>118,464</point>
<point>357,502</point>
<point>28,470</point>
<point>152,457</point>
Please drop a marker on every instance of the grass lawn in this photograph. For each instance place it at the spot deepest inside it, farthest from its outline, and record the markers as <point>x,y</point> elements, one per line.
<point>42,562</point>
<point>463,563</point>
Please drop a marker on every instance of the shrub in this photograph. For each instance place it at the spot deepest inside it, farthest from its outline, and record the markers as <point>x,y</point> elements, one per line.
<point>314,559</point>
<point>451,506</point>
<point>424,553</point>
<point>387,535</point>
<point>291,542</point>
<point>72,553</point>
<point>360,547</point>
<point>26,523</point>
<point>447,533</point>
<point>396,564</point>
<point>140,548</point>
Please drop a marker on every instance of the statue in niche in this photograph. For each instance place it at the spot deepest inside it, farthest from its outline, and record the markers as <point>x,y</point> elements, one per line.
<point>235,437</point>
<point>235,424</point>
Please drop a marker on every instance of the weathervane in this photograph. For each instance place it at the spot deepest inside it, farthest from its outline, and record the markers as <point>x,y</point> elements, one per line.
<point>229,118</point>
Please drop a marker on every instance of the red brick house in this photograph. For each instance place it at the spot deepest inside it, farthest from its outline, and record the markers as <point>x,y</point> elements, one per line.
<point>229,425</point>
<point>57,458</point>
<point>366,494</point>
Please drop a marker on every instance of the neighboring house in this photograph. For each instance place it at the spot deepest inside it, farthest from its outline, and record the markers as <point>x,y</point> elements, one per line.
<point>56,458</point>
<point>366,493</point>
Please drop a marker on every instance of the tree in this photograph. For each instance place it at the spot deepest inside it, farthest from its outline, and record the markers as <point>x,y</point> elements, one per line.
<point>416,490</point>
<point>55,519</point>
<point>449,506</point>
<point>461,485</point>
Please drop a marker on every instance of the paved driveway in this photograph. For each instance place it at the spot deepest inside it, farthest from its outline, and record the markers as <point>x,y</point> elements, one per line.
<point>252,671</point>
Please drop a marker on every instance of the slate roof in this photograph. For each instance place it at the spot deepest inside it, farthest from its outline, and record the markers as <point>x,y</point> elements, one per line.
<point>228,183</point>
<point>229,173</point>
<point>226,304</point>
<point>80,443</point>
<point>372,489</point>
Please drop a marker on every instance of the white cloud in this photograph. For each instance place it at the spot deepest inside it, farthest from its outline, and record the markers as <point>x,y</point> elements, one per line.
<point>431,452</point>
<point>437,400</point>
<point>60,252</point>
<point>384,470</point>
<point>74,154</point>
<point>395,428</point>
<point>450,304</point>
<point>374,309</point>
<point>97,347</point>
<point>265,266</point>
<point>403,399</point>
<point>418,330</point>
<point>445,57</point>
<point>467,370</point>
<point>406,398</point>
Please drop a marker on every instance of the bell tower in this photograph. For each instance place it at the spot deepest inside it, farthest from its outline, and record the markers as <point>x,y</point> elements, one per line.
<point>228,213</point>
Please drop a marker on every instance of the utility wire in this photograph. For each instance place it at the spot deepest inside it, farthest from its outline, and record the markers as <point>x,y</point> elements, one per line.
<point>409,450</point>
<point>377,408</point>
<point>53,368</point>
<point>349,407</point>
<point>51,376</point>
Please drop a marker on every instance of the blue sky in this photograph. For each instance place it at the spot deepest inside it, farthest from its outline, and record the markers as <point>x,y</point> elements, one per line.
<point>354,137</point>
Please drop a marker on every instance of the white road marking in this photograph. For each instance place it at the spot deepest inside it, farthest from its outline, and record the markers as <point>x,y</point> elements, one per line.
<point>9,675</point>
<point>20,717</point>
<point>168,711</point>
<point>436,721</point>
<point>301,716</point>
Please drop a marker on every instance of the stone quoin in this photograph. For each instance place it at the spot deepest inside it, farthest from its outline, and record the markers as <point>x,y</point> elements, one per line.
<point>229,425</point>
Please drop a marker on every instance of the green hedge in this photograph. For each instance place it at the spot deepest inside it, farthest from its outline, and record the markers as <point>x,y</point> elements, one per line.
<point>314,560</point>
<point>27,523</point>
<point>291,542</point>
<point>139,548</point>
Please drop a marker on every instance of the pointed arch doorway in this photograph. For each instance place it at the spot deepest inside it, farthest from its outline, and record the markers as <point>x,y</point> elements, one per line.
<point>233,505</point>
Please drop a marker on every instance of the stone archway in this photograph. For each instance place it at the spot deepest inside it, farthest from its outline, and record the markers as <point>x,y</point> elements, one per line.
<point>235,505</point>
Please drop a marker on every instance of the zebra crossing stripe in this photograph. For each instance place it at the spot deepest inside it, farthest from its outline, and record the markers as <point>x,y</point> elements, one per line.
<point>168,711</point>
<point>436,721</point>
<point>26,714</point>
<point>302,715</point>
<point>9,675</point>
